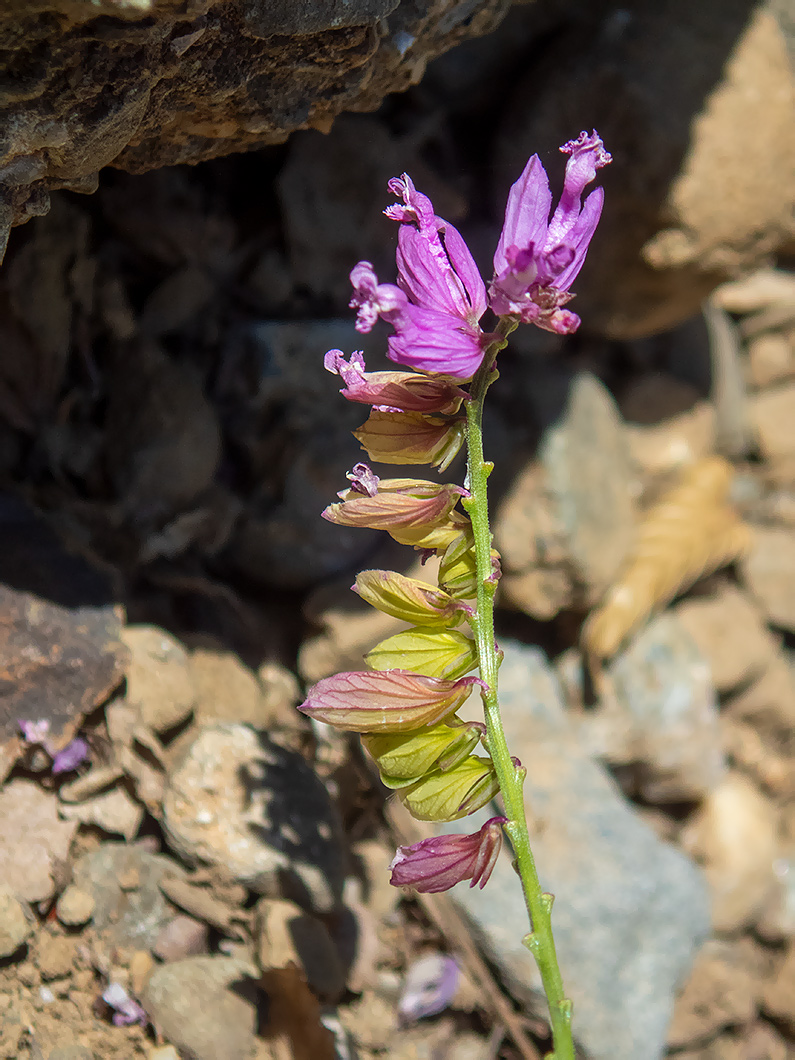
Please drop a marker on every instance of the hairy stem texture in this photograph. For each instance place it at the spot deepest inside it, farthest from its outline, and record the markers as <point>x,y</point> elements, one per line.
<point>539,905</point>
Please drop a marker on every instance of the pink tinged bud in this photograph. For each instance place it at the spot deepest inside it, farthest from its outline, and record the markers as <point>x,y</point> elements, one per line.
<point>391,701</point>
<point>439,863</point>
<point>431,539</point>
<point>407,599</point>
<point>400,391</point>
<point>398,503</point>
<point>410,438</point>
<point>372,299</point>
<point>537,259</point>
<point>447,795</point>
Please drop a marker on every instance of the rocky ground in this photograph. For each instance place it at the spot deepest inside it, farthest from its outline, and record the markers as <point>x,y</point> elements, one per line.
<point>188,868</point>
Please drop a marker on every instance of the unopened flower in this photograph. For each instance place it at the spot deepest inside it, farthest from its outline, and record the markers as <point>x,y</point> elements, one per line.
<point>537,259</point>
<point>403,502</point>
<point>425,650</point>
<point>439,863</point>
<point>431,538</point>
<point>446,795</point>
<point>458,566</point>
<point>406,756</point>
<point>408,599</point>
<point>396,391</point>
<point>410,438</point>
<point>387,701</point>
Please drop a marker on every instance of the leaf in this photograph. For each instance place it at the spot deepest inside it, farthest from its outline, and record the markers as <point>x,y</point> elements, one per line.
<point>690,532</point>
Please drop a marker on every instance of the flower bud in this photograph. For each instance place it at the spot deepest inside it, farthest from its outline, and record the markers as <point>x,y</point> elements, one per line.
<point>405,757</point>
<point>395,701</point>
<point>396,391</point>
<point>410,438</point>
<point>401,502</point>
<point>458,566</point>
<point>408,599</point>
<point>446,795</point>
<point>431,538</point>
<point>433,652</point>
<point>439,863</point>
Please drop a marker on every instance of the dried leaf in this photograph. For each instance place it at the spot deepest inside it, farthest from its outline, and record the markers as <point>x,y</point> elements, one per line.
<point>691,531</point>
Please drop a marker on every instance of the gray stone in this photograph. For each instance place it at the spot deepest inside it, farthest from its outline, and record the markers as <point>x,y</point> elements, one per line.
<point>630,910</point>
<point>15,924</point>
<point>240,801</point>
<point>72,1052</point>
<point>586,459</point>
<point>75,906</point>
<point>124,882</point>
<point>664,716</point>
<point>203,1006</point>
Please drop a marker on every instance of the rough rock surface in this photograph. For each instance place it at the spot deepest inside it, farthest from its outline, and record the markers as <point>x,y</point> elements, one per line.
<point>140,84</point>
<point>239,801</point>
<point>631,910</point>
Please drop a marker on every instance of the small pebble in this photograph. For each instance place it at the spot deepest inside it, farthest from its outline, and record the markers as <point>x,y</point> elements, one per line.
<point>74,907</point>
<point>162,1052</point>
<point>14,925</point>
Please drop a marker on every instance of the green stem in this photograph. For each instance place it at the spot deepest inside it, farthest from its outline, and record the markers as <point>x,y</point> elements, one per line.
<point>539,905</point>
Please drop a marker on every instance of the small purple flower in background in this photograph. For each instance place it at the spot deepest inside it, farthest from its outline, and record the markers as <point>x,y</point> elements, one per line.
<point>63,761</point>
<point>537,259</point>
<point>125,1009</point>
<point>439,863</point>
<point>429,987</point>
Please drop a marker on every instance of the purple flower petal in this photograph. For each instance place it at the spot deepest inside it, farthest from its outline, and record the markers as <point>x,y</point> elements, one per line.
<point>71,756</point>
<point>432,341</point>
<point>126,1010</point>
<point>429,987</point>
<point>439,863</point>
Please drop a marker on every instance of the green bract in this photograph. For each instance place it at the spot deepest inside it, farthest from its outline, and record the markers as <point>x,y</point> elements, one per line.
<point>432,652</point>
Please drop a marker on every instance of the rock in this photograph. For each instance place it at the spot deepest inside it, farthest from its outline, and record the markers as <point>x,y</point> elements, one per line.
<point>75,906</point>
<point>769,573</point>
<point>662,717</point>
<point>661,448</point>
<point>733,836</point>
<point>54,955</point>
<point>630,911</point>
<point>773,412</point>
<point>281,540</point>
<point>71,1052</point>
<point>693,204</point>
<point>720,992</point>
<point>115,812</point>
<point>163,441</point>
<point>762,289</point>
<point>225,689</point>
<point>286,935</point>
<point>181,937</point>
<point>731,635</point>
<point>239,801</point>
<point>586,459</point>
<point>15,924</point>
<point>778,999</point>
<point>32,840</point>
<point>771,359</point>
<point>159,678</point>
<point>777,921</point>
<point>284,67</point>
<point>131,915</point>
<point>163,1052</point>
<point>204,1006</point>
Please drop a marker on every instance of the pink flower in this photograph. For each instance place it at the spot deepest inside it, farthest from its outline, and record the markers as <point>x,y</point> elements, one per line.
<point>440,296</point>
<point>393,391</point>
<point>538,259</point>
<point>385,504</point>
<point>437,864</point>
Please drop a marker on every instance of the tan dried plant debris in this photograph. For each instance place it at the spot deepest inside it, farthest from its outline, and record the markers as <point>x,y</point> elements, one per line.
<point>691,531</point>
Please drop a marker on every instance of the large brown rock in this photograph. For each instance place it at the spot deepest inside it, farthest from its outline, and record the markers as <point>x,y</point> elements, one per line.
<point>145,83</point>
<point>695,103</point>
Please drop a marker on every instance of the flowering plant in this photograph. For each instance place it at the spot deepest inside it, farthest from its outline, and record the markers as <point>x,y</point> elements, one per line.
<point>405,705</point>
